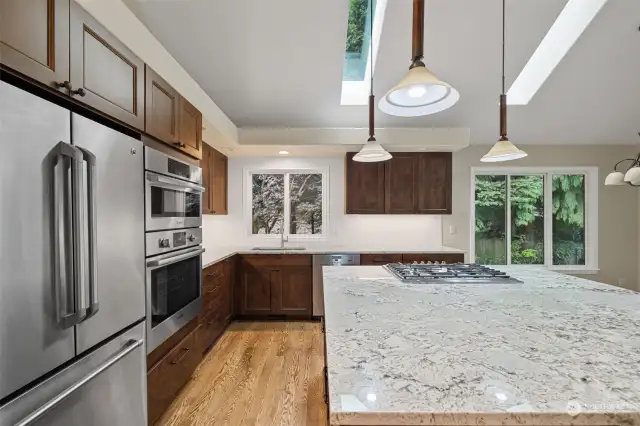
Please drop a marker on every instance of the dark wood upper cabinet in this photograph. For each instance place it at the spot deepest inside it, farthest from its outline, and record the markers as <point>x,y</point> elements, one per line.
<point>161,108</point>
<point>400,184</point>
<point>219,182</point>
<point>206,164</point>
<point>364,186</point>
<point>190,129</point>
<point>215,180</point>
<point>34,39</point>
<point>104,73</point>
<point>409,183</point>
<point>292,292</point>
<point>434,183</point>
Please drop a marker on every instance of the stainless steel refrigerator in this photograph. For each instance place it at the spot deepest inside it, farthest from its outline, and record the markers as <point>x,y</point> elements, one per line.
<point>72,307</point>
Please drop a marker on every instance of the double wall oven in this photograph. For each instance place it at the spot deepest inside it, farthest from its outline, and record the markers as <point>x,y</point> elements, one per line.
<point>173,220</point>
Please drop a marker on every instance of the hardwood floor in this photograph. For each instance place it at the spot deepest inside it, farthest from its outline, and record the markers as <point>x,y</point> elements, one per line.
<point>258,374</point>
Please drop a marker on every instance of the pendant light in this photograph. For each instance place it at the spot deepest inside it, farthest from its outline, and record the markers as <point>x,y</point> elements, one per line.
<point>420,92</point>
<point>630,177</point>
<point>372,151</point>
<point>503,150</point>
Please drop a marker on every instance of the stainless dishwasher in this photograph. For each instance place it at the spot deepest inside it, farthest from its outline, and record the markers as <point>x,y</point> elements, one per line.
<point>320,260</point>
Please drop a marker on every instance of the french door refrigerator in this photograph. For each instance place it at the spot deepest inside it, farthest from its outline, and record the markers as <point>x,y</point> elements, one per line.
<point>72,342</point>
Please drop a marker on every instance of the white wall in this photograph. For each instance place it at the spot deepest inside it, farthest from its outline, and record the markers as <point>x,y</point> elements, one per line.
<point>618,222</point>
<point>349,231</point>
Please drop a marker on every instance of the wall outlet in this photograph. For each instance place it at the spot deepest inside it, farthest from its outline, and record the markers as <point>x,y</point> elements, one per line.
<point>452,229</point>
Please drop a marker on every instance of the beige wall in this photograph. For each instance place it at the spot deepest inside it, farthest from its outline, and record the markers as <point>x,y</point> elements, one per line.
<point>618,218</point>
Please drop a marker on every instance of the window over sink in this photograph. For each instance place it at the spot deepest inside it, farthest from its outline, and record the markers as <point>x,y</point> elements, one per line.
<point>537,216</point>
<point>291,202</point>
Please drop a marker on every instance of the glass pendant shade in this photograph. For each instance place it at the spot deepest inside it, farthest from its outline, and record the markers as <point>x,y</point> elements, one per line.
<point>633,175</point>
<point>503,150</point>
<point>371,152</point>
<point>419,93</point>
<point>614,179</point>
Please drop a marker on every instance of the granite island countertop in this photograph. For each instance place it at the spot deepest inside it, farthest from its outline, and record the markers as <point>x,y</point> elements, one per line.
<point>554,350</point>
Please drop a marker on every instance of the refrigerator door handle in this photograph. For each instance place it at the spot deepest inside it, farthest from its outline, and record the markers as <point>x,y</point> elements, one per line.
<point>93,231</point>
<point>68,288</point>
<point>128,347</point>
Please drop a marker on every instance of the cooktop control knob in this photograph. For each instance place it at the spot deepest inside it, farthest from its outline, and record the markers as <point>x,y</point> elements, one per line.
<point>191,238</point>
<point>164,243</point>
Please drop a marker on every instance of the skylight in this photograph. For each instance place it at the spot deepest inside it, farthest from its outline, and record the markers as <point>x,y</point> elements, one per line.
<point>565,31</point>
<point>356,64</point>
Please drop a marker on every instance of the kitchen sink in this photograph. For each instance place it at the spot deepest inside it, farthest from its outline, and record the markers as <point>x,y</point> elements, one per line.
<point>278,248</point>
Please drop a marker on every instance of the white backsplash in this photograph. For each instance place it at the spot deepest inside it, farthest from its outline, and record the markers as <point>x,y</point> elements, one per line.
<point>367,231</point>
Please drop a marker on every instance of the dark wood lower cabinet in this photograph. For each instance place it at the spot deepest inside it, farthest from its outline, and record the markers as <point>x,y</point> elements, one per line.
<point>170,374</point>
<point>275,285</point>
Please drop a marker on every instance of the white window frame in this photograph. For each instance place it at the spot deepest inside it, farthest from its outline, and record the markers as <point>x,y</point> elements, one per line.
<point>248,202</point>
<point>590,209</point>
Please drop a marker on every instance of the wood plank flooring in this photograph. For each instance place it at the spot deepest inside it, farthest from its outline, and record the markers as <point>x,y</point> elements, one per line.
<point>257,374</point>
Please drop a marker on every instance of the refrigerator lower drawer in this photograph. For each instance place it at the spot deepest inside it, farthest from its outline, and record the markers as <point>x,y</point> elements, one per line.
<point>168,376</point>
<point>105,388</point>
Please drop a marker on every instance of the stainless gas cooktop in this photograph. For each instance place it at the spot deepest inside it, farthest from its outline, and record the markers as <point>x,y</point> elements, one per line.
<point>444,274</point>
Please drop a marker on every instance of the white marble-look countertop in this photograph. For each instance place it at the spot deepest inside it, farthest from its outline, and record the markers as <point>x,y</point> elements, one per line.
<point>217,254</point>
<point>491,354</point>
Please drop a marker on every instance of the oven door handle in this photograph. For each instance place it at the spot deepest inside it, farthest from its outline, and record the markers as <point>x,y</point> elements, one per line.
<point>174,259</point>
<point>168,182</point>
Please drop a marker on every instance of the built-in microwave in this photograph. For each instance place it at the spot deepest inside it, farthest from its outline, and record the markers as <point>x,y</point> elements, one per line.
<point>173,192</point>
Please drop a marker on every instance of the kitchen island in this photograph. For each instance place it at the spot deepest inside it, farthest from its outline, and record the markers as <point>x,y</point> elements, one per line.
<point>553,350</point>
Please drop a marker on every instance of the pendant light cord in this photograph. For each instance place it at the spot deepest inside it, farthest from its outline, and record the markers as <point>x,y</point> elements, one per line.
<point>503,96</point>
<point>371,97</point>
<point>504,25</point>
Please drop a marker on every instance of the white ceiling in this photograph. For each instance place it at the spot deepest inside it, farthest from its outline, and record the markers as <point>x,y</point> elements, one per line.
<point>278,63</point>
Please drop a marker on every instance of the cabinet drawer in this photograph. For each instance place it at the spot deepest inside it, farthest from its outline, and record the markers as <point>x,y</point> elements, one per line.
<point>277,259</point>
<point>212,272</point>
<point>168,376</point>
<point>211,294</point>
<point>433,257</point>
<point>213,326</point>
<point>380,259</point>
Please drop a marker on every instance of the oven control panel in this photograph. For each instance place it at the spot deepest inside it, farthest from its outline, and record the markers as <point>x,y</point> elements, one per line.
<point>166,241</point>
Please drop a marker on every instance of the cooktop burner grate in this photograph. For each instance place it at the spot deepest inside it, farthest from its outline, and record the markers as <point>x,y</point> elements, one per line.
<point>442,273</point>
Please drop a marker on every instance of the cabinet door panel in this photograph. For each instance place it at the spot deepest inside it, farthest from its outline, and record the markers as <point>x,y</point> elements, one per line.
<point>161,108</point>
<point>293,291</point>
<point>256,290</point>
<point>190,132</point>
<point>364,186</point>
<point>219,183</point>
<point>434,183</point>
<point>34,38</point>
<point>400,184</point>
<point>205,165</point>
<point>111,76</point>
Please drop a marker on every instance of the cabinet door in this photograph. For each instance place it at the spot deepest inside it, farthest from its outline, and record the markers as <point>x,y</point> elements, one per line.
<point>256,290</point>
<point>400,183</point>
<point>206,166</point>
<point>34,38</point>
<point>434,183</point>
<point>292,293</point>
<point>104,73</point>
<point>161,108</point>
<point>364,186</point>
<point>190,131</point>
<point>218,183</point>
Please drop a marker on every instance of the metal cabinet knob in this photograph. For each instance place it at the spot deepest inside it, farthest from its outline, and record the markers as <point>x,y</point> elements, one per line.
<point>179,144</point>
<point>80,92</point>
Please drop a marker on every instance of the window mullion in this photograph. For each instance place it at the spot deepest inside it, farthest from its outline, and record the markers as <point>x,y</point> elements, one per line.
<point>508,221</point>
<point>548,219</point>
<point>287,206</point>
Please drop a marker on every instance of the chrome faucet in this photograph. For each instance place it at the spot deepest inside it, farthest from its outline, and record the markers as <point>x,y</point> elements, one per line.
<point>283,239</point>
